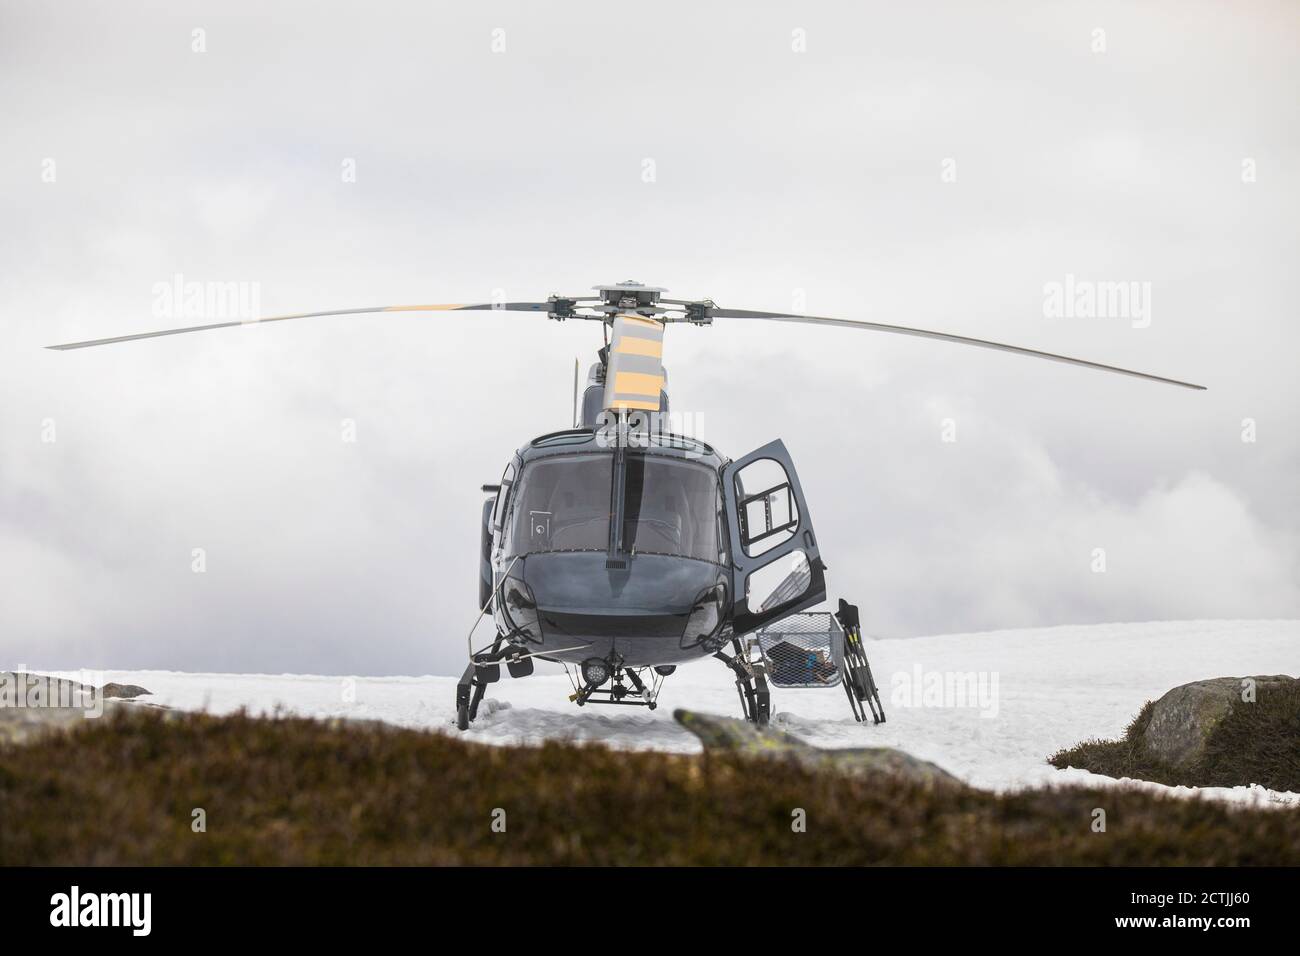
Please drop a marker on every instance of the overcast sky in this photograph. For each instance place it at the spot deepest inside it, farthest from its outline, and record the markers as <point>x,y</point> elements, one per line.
<point>930,164</point>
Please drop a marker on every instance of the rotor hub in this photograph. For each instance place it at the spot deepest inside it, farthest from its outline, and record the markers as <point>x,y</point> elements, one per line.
<point>630,295</point>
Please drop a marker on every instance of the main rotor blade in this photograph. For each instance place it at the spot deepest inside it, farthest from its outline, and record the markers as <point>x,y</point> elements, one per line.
<point>500,307</point>
<point>945,337</point>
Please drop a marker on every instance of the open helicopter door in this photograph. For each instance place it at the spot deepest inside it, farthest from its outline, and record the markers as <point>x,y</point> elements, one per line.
<point>776,565</point>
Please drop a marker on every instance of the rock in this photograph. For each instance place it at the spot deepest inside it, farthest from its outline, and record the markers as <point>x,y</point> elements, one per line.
<point>48,689</point>
<point>20,689</point>
<point>34,705</point>
<point>729,735</point>
<point>23,725</point>
<point>1183,719</point>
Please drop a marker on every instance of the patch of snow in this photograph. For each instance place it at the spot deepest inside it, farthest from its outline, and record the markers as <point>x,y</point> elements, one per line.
<point>1042,690</point>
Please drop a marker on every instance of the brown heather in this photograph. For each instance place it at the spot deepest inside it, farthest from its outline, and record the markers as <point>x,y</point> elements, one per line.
<point>296,791</point>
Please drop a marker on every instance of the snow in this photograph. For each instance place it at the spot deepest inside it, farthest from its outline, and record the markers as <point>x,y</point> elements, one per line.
<point>1034,692</point>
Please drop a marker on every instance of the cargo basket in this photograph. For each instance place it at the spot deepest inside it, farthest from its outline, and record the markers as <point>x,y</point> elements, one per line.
<point>803,650</point>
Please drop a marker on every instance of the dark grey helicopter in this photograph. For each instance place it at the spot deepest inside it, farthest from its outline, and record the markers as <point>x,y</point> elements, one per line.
<point>621,550</point>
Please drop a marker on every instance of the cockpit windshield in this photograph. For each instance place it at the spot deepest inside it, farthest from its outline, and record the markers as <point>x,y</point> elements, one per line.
<point>671,506</point>
<point>562,504</point>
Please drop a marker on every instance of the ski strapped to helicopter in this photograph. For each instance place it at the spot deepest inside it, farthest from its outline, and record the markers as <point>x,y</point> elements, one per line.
<point>621,550</point>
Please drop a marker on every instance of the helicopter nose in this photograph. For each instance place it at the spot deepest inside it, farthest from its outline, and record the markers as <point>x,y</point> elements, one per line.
<point>577,596</point>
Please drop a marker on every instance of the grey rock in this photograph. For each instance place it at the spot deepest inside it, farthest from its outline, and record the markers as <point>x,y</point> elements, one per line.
<point>729,735</point>
<point>1184,718</point>
<point>28,724</point>
<point>35,705</point>
<point>21,689</point>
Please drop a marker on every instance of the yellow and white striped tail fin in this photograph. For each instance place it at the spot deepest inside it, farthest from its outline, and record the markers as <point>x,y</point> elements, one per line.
<point>635,375</point>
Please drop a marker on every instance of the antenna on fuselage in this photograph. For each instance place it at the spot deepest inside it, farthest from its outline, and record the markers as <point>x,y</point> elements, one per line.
<point>577,408</point>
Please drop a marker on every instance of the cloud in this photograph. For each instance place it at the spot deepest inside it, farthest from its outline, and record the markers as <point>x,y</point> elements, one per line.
<point>814,175</point>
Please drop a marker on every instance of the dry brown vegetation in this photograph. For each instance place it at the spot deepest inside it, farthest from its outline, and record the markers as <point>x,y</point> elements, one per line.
<point>288,790</point>
<point>1257,744</point>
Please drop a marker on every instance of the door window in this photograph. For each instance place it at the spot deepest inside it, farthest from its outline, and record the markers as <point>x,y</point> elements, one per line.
<point>782,582</point>
<point>768,511</point>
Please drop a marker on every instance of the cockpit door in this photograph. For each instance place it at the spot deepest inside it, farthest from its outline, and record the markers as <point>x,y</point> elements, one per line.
<point>776,565</point>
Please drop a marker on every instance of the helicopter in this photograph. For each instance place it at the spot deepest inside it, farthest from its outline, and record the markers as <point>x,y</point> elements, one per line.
<point>621,550</point>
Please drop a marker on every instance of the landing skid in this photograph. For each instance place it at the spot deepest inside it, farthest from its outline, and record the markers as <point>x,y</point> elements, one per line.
<point>806,650</point>
<point>485,669</point>
<point>751,684</point>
